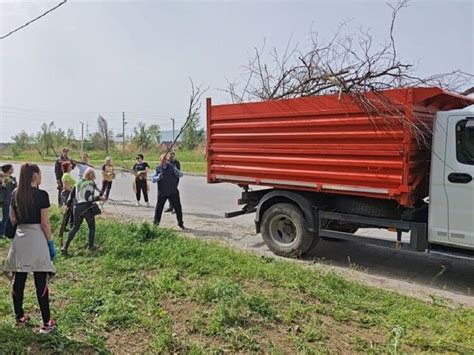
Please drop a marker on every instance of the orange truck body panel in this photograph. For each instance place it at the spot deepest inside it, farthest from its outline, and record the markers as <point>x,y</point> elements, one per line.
<point>328,144</point>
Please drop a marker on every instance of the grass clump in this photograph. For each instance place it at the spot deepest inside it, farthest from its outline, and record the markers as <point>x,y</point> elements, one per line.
<point>151,290</point>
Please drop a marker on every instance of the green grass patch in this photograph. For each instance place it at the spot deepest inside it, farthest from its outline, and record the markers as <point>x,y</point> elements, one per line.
<point>152,290</point>
<point>192,161</point>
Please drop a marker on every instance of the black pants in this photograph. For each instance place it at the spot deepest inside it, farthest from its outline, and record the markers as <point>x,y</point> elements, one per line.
<point>175,201</point>
<point>171,208</point>
<point>80,213</point>
<point>141,185</point>
<point>106,186</point>
<point>64,196</point>
<point>69,216</point>
<point>42,294</point>
<point>60,191</point>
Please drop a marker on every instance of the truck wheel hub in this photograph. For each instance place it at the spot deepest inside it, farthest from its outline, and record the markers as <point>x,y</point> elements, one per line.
<point>282,230</point>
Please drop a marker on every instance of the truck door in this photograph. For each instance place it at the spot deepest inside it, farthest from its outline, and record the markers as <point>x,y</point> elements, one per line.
<point>458,180</point>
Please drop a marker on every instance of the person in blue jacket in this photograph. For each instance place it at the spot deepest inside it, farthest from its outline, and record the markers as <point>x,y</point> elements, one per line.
<point>167,176</point>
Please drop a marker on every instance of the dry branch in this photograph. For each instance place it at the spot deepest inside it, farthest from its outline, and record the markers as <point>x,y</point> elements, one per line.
<point>345,64</point>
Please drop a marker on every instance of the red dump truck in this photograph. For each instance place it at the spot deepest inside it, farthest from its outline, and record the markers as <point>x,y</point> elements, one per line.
<point>327,166</point>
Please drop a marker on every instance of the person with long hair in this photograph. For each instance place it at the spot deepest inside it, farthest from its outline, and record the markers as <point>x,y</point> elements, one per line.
<point>84,194</point>
<point>32,249</point>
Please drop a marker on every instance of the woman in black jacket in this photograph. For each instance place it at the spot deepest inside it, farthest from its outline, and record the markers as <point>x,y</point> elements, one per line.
<point>7,185</point>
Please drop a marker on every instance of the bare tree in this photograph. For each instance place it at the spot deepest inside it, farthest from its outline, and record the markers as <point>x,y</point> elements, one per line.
<point>105,134</point>
<point>343,64</point>
<point>193,110</point>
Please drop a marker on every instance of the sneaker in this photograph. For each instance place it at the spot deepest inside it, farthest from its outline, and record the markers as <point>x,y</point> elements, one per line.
<point>148,204</point>
<point>182,226</point>
<point>22,322</point>
<point>48,327</point>
<point>137,204</point>
<point>94,247</point>
<point>169,209</point>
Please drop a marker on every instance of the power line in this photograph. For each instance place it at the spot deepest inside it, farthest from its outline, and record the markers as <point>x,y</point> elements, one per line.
<point>35,19</point>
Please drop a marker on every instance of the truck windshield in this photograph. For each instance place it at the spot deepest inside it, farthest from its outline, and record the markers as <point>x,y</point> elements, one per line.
<point>465,141</point>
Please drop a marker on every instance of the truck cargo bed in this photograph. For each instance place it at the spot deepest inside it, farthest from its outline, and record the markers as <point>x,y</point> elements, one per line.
<point>328,143</point>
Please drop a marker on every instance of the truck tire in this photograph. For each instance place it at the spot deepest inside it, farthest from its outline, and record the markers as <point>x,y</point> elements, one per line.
<point>284,230</point>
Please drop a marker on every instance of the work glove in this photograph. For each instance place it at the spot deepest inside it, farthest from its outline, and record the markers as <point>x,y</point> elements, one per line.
<point>52,249</point>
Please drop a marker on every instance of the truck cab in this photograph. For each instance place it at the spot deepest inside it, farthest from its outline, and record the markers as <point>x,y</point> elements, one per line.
<point>451,201</point>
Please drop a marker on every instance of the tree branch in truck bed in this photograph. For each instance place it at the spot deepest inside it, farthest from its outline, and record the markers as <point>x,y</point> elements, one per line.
<point>346,63</point>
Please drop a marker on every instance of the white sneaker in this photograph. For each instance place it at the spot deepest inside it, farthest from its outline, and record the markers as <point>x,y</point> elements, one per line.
<point>148,204</point>
<point>48,327</point>
<point>137,204</point>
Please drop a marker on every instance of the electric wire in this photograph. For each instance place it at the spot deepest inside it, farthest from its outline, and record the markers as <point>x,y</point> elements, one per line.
<point>35,19</point>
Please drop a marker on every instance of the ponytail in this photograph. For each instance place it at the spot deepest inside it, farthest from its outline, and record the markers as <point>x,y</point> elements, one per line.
<point>24,193</point>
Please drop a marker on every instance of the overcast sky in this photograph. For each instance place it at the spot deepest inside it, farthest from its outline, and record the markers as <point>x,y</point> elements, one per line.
<point>91,57</point>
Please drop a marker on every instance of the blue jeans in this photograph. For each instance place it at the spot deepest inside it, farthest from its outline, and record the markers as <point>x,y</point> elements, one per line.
<point>3,223</point>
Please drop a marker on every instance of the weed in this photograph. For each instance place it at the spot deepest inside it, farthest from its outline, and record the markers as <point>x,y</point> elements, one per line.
<point>397,333</point>
<point>261,306</point>
<point>219,290</point>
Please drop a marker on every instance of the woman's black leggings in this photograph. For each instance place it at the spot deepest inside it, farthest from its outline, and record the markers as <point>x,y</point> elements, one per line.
<point>106,186</point>
<point>42,294</point>
<point>80,212</point>
<point>141,185</point>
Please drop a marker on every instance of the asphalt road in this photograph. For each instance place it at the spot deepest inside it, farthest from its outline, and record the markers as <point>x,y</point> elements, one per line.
<point>204,206</point>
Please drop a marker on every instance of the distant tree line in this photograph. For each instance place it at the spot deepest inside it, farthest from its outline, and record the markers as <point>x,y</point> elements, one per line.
<point>50,139</point>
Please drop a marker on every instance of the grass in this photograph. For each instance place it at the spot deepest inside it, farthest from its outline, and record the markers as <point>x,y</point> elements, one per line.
<point>191,161</point>
<point>151,290</point>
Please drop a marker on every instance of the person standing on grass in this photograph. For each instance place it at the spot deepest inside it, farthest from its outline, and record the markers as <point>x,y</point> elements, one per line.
<point>58,171</point>
<point>7,185</point>
<point>141,174</point>
<point>67,181</point>
<point>83,165</point>
<point>32,249</point>
<point>84,196</point>
<point>108,175</point>
<point>167,177</point>
<point>177,164</point>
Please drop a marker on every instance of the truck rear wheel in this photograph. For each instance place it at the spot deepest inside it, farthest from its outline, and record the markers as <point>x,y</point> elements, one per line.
<point>284,230</point>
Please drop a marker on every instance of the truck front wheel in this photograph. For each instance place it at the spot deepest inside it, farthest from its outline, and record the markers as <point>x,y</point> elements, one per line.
<point>284,230</point>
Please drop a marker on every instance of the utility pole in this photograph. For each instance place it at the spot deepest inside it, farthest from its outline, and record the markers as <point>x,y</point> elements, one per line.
<point>82,138</point>
<point>172,119</point>
<point>123,130</point>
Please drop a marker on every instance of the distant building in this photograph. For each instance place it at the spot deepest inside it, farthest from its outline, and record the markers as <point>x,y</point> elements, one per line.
<point>165,145</point>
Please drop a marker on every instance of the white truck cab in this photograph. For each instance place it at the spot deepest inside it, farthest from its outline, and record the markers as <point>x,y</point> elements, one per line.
<point>451,203</point>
